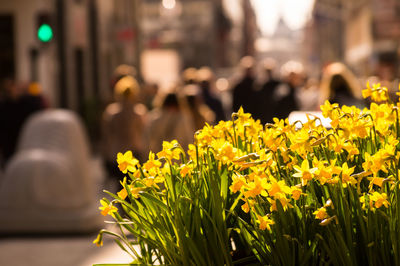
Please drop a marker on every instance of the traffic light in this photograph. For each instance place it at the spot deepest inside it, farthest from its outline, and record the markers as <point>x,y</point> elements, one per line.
<point>44,27</point>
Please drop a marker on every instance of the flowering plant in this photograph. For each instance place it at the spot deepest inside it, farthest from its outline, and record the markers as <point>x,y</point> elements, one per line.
<point>279,194</point>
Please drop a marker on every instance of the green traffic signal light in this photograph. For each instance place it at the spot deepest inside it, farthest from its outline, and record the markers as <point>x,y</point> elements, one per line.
<point>45,33</point>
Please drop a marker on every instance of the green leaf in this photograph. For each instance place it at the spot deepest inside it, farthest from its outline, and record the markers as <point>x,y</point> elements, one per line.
<point>156,201</point>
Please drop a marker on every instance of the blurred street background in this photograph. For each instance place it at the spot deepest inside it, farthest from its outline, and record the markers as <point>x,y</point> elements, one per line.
<point>81,80</point>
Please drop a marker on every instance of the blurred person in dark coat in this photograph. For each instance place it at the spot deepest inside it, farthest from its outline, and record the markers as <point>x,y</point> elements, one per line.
<point>339,85</point>
<point>16,105</point>
<point>199,111</point>
<point>148,94</point>
<point>33,99</point>
<point>284,96</point>
<point>265,105</point>
<point>243,91</point>
<point>205,78</point>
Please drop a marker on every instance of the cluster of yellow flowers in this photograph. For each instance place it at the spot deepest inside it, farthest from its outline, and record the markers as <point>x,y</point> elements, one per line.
<point>277,162</point>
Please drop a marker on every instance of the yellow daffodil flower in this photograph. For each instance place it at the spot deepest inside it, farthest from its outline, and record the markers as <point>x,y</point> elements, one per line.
<point>107,208</point>
<point>126,162</point>
<point>265,222</point>
<point>296,193</point>
<point>245,207</point>
<point>185,169</point>
<point>238,181</point>
<point>304,172</point>
<point>170,150</point>
<point>99,240</point>
<point>151,163</point>
<point>380,199</point>
<point>321,213</point>
<point>346,175</point>
<point>122,194</point>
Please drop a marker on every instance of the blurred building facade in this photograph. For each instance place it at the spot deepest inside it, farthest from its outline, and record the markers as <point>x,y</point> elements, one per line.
<point>363,33</point>
<point>323,35</point>
<point>373,37</point>
<point>68,66</point>
<point>202,32</point>
<point>93,37</point>
<point>283,45</point>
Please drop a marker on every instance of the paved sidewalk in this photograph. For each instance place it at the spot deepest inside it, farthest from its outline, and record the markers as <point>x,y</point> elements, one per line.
<point>59,251</point>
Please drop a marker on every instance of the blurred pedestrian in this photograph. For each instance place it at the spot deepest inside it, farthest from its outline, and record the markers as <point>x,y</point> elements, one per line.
<point>189,76</point>
<point>148,94</point>
<point>199,111</point>
<point>123,124</point>
<point>284,96</point>
<point>243,91</point>
<point>339,85</point>
<point>120,71</point>
<point>205,78</point>
<point>308,96</point>
<point>33,99</point>
<point>16,105</point>
<point>169,121</point>
<point>385,71</point>
<point>10,121</point>
<point>265,106</point>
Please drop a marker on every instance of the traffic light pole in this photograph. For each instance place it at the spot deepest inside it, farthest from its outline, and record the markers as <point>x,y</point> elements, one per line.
<point>62,64</point>
<point>33,56</point>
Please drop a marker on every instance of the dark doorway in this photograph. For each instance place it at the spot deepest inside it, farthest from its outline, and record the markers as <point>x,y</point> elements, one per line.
<point>7,53</point>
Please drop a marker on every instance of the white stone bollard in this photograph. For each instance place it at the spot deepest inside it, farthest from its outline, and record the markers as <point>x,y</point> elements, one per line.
<point>48,185</point>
